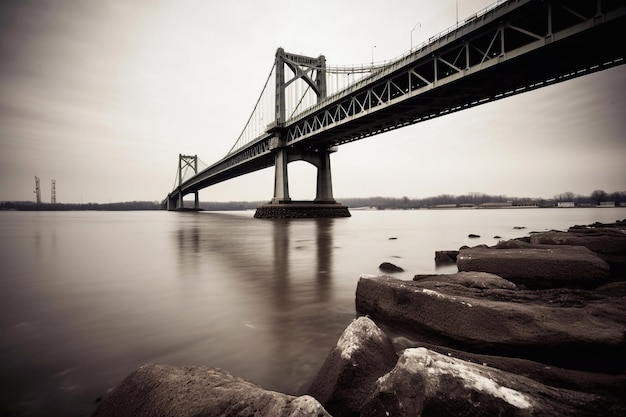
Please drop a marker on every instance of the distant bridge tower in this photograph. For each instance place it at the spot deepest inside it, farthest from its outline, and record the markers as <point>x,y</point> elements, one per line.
<point>185,161</point>
<point>313,72</point>
<point>53,198</point>
<point>37,190</point>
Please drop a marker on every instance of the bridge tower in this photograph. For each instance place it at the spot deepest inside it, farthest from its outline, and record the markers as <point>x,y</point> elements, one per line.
<point>313,72</point>
<point>184,161</point>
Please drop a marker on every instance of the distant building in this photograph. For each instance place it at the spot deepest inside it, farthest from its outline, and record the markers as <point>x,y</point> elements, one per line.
<point>497,205</point>
<point>565,204</point>
<point>445,206</point>
<point>607,204</point>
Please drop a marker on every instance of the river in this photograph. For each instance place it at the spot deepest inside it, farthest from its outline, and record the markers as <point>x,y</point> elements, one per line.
<point>87,297</point>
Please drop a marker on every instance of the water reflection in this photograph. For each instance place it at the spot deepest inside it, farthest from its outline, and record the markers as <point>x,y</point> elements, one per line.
<point>245,244</point>
<point>279,276</point>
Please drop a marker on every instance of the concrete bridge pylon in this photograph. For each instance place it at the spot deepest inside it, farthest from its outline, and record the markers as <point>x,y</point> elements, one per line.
<point>313,72</point>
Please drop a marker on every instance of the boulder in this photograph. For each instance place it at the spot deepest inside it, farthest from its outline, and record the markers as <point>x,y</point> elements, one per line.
<point>446,256</point>
<point>575,329</point>
<point>160,390</point>
<point>546,267</point>
<point>600,240</point>
<point>426,383</point>
<point>471,279</point>
<point>362,354</point>
<point>609,386</point>
<point>608,243</point>
<point>389,267</point>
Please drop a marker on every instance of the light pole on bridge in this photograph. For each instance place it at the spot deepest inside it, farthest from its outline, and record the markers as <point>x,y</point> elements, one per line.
<point>416,25</point>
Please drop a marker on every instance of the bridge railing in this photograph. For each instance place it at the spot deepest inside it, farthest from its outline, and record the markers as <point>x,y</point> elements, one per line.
<point>384,67</point>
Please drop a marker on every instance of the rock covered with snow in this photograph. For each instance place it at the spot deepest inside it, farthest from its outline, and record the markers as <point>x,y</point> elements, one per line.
<point>426,383</point>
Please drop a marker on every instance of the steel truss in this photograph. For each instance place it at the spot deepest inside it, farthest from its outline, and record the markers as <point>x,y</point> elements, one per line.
<point>414,89</point>
<point>518,46</point>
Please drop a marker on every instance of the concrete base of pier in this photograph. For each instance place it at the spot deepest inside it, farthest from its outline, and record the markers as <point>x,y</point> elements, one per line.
<point>301,210</point>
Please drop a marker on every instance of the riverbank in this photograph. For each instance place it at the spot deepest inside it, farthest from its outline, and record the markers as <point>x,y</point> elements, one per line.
<point>472,342</point>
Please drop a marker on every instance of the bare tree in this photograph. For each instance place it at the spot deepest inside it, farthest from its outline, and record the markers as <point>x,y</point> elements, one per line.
<point>598,196</point>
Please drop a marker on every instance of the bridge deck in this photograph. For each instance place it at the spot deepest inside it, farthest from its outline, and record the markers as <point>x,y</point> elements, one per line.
<point>517,47</point>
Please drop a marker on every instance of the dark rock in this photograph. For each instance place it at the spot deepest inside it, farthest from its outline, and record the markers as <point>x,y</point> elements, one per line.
<point>472,235</point>
<point>518,244</point>
<point>519,227</point>
<point>389,267</point>
<point>497,237</point>
<point>426,383</point>
<point>161,390</point>
<point>545,267</point>
<point>602,241</point>
<point>608,243</point>
<point>615,289</point>
<point>575,329</point>
<point>446,256</point>
<point>481,280</point>
<point>362,355</point>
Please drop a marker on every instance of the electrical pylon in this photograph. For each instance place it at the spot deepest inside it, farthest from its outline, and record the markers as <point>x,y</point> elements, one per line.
<point>37,190</point>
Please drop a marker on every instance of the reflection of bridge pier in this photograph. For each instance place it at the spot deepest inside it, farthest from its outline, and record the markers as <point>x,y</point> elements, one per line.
<point>269,286</point>
<point>282,251</point>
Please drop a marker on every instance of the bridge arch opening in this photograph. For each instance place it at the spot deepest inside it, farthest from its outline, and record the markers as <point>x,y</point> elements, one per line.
<point>302,180</point>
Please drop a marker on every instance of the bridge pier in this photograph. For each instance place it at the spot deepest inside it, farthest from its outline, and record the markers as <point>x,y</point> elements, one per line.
<point>175,202</point>
<point>281,179</point>
<point>282,206</point>
<point>324,191</point>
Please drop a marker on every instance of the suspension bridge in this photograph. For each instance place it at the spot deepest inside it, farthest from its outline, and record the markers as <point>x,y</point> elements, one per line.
<point>308,108</point>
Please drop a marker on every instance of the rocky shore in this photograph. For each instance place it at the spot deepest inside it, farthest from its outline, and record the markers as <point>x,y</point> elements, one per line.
<point>530,327</point>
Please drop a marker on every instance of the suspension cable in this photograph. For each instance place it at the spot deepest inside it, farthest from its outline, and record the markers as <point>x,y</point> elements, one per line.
<point>254,110</point>
<point>300,102</point>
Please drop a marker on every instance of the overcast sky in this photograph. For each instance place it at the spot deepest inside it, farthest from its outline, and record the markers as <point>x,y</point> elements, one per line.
<point>102,96</point>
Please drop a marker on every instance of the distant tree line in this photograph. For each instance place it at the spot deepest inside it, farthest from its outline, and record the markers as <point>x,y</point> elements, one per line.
<point>124,206</point>
<point>381,203</point>
<point>595,198</point>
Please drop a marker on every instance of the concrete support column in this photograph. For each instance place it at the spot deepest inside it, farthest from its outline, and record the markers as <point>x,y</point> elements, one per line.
<point>180,198</point>
<point>281,180</point>
<point>324,179</point>
<point>196,203</point>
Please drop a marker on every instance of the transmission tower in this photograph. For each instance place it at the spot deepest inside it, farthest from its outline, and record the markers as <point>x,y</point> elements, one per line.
<point>37,190</point>
<point>53,199</point>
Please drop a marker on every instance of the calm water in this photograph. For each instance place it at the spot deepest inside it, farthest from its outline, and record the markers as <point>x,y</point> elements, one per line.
<point>86,297</point>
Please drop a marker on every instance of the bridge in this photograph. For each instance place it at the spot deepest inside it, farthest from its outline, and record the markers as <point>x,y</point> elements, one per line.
<point>511,47</point>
